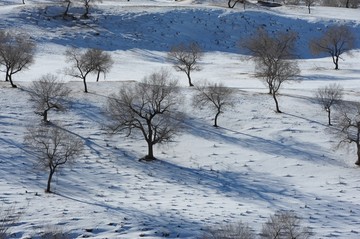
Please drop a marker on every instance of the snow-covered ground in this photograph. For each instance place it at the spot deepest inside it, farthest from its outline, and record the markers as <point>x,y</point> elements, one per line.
<point>257,163</point>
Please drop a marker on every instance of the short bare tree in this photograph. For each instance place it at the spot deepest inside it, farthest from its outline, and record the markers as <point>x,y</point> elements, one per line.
<point>186,58</point>
<point>335,41</point>
<point>284,225</point>
<point>329,96</point>
<point>273,59</point>
<point>102,61</point>
<point>54,147</point>
<point>348,125</point>
<point>234,231</point>
<point>86,62</point>
<point>48,93</point>
<point>214,96</point>
<point>16,53</point>
<point>309,4</point>
<point>147,108</point>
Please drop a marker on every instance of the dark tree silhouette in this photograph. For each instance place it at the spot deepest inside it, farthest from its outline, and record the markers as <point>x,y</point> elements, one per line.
<point>16,53</point>
<point>186,58</point>
<point>147,108</point>
<point>335,41</point>
<point>48,93</point>
<point>55,148</point>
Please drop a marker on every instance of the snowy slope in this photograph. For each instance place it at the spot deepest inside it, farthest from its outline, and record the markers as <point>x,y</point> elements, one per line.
<point>258,162</point>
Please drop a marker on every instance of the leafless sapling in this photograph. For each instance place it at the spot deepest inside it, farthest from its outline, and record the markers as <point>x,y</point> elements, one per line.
<point>185,58</point>
<point>147,108</point>
<point>16,53</point>
<point>335,41</point>
<point>54,147</point>
<point>48,93</point>
<point>215,96</point>
<point>329,96</point>
<point>273,57</point>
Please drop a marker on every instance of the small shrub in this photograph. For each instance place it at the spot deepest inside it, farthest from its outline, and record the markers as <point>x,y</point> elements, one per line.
<point>8,218</point>
<point>284,225</point>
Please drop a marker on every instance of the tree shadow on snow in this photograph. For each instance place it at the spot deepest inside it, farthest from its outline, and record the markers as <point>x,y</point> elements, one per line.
<point>286,147</point>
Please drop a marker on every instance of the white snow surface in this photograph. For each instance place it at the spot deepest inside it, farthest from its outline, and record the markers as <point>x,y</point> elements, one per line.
<point>256,163</point>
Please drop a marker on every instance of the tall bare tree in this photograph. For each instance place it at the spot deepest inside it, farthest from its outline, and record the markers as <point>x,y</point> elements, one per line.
<point>215,96</point>
<point>147,108</point>
<point>329,96</point>
<point>186,58</point>
<point>16,53</point>
<point>273,59</point>
<point>335,41</point>
<point>48,93</point>
<point>86,62</point>
<point>55,148</point>
<point>348,124</point>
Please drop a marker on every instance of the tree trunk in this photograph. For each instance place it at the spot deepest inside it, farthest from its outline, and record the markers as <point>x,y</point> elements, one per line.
<point>276,103</point>
<point>336,62</point>
<point>67,9</point>
<point>309,8</point>
<point>347,3</point>
<point>11,82</point>
<point>216,117</point>
<point>98,76</point>
<point>45,115</point>
<point>235,1</point>
<point>85,86</point>
<point>329,113</point>
<point>189,78</point>
<point>358,153</point>
<point>150,155</point>
<point>48,189</point>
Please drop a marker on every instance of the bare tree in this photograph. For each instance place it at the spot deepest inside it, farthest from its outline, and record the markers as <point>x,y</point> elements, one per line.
<point>147,108</point>
<point>233,231</point>
<point>86,62</point>
<point>16,53</point>
<point>48,93</point>
<point>335,41</point>
<point>215,96</point>
<point>328,96</point>
<point>87,5</point>
<point>310,3</point>
<point>272,56</point>
<point>349,127</point>
<point>102,61</point>
<point>284,225</point>
<point>186,58</point>
<point>55,148</point>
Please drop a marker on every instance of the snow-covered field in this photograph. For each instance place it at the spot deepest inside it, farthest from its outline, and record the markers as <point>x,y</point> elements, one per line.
<point>256,163</point>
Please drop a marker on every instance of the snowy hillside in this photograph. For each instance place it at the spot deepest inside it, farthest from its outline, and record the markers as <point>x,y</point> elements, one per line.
<point>256,163</point>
